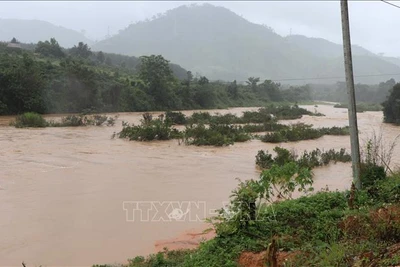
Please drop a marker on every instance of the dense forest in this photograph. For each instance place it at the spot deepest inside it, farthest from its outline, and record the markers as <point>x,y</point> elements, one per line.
<point>47,78</point>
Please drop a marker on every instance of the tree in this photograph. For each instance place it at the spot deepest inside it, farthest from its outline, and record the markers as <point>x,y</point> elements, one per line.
<point>156,73</point>
<point>252,82</point>
<point>22,86</point>
<point>272,89</point>
<point>14,41</point>
<point>100,57</point>
<point>233,90</point>
<point>391,107</point>
<point>108,61</point>
<point>51,48</point>
<point>82,50</point>
<point>203,80</point>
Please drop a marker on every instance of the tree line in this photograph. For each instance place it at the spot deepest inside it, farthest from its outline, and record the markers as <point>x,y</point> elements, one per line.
<point>46,78</point>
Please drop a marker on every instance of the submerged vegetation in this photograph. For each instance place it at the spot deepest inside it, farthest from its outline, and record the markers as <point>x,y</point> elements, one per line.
<point>204,129</point>
<point>312,159</point>
<point>300,131</point>
<point>264,226</point>
<point>31,119</point>
<point>149,130</point>
<point>214,135</point>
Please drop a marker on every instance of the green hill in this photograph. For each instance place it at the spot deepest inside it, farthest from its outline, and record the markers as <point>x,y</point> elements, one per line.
<point>216,42</point>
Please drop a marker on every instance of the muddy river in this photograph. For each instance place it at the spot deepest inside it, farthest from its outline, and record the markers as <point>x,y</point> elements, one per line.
<point>76,197</point>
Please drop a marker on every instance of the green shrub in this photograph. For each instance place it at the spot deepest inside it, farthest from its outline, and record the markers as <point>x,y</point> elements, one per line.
<point>312,159</point>
<point>84,120</point>
<point>157,129</point>
<point>177,118</point>
<point>265,127</point>
<point>30,119</point>
<point>161,259</point>
<point>371,173</point>
<point>214,135</point>
<point>301,131</point>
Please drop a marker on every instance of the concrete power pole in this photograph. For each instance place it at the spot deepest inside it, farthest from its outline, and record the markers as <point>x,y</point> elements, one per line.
<point>348,65</point>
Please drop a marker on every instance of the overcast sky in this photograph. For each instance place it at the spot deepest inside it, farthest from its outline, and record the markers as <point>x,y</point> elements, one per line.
<point>374,24</point>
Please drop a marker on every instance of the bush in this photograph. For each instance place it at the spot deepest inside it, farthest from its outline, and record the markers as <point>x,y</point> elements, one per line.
<point>312,159</point>
<point>160,259</point>
<point>30,119</point>
<point>214,135</point>
<point>177,118</point>
<point>157,129</point>
<point>84,120</point>
<point>302,131</point>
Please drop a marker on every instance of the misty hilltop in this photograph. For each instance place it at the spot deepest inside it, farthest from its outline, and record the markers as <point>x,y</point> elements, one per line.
<point>32,31</point>
<point>216,42</point>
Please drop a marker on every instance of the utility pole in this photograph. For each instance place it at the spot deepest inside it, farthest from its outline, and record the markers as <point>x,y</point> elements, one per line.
<point>348,65</point>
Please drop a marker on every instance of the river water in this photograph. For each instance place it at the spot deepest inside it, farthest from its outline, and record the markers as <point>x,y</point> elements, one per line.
<point>62,189</point>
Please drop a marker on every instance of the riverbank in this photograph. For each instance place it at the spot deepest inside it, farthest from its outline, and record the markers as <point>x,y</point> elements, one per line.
<point>352,228</point>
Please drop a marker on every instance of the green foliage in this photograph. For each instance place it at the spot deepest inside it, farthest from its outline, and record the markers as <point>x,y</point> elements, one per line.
<point>161,259</point>
<point>49,49</point>
<point>30,119</point>
<point>176,117</point>
<point>21,85</point>
<point>302,131</point>
<point>283,180</point>
<point>214,135</point>
<point>82,50</point>
<point>150,129</point>
<point>312,159</point>
<point>391,107</point>
<point>319,228</point>
<point>84,120</point>
<point>55,80</point>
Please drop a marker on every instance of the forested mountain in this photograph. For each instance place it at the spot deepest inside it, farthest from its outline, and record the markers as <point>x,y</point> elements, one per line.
<point>32,31</point>
<point>217,43</point>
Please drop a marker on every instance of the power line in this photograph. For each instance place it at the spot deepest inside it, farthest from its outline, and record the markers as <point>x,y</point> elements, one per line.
<point>387,2</point>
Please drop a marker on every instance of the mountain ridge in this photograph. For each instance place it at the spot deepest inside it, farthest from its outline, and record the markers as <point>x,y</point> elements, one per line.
<point>216,42</point>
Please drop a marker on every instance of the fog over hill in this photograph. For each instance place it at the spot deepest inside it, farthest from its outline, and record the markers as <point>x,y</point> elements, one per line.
<point>33,31</point>
<point>216,42</point>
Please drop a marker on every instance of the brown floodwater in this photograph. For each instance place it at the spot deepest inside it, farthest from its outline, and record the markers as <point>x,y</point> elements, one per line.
<point>62,189</point>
